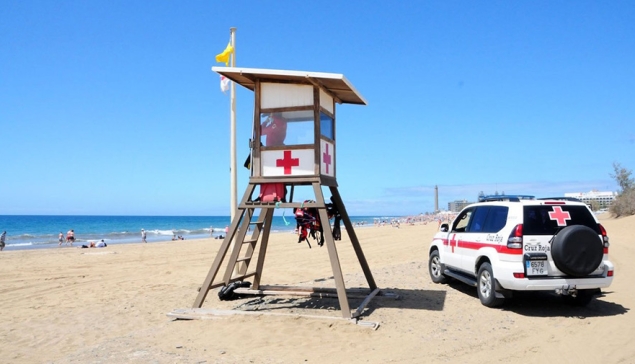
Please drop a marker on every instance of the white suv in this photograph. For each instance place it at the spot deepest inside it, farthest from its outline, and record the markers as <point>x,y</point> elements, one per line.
<point>518,243</point>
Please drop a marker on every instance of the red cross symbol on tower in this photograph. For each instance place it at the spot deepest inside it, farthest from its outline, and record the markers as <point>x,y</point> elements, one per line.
<point>560,216</point>
<point>326,158</point>
<point>287,162</point>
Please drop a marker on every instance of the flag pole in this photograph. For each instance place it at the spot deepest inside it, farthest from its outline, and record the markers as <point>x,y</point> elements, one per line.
<point>232,143</point>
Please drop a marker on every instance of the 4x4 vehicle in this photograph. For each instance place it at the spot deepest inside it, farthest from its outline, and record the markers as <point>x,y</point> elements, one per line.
<point>517,243</point>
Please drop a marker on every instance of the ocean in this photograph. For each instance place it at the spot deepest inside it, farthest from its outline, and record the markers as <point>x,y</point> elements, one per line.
<point>38,232</point>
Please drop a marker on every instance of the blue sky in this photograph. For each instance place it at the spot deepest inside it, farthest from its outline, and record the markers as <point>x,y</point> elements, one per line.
<point>110,107</point>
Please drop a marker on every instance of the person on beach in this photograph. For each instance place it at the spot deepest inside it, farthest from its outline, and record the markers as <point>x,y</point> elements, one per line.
<point>274,130</point>
<point>60,238</point>
<point>70,237</point>
<point>143,236</point>
<point>211,231</point>
<point>100,244</point>
<point>2,238</point>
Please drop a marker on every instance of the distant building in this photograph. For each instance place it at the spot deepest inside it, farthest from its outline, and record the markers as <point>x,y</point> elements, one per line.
<point>458,205</point>
<point>597,199</point>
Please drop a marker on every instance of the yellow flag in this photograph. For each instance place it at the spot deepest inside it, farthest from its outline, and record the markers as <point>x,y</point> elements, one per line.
<point>224,57</point>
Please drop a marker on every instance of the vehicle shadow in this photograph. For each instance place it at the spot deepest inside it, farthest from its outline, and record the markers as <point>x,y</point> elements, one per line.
<point>549,304</point>
<point>414,299</point>
<point>531,304</point>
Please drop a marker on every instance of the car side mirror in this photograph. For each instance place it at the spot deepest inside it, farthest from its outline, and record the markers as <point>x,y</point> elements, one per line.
<point>444,228</point>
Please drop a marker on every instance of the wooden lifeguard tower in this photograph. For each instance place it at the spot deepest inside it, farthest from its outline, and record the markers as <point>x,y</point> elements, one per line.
<point>305,101</point>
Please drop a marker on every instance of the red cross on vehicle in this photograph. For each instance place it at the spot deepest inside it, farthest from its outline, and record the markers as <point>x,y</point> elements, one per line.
<point>287,162</point>
<point>559,215</point>
<point>453,242</point>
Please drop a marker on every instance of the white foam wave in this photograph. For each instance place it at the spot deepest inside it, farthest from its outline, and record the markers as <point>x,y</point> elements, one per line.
<point>20,244</point>
<point>162,232</point>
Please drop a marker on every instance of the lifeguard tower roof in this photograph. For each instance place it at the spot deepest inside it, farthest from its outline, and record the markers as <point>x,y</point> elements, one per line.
<point>336,84</point>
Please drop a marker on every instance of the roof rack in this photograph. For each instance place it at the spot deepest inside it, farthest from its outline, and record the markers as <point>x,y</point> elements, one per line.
<point>513,198</point>
<point>561,199</point>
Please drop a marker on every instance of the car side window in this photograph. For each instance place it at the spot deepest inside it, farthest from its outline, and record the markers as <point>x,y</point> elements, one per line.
<point>478,219</point>
<point>462,221</point>
<point>496,219</point>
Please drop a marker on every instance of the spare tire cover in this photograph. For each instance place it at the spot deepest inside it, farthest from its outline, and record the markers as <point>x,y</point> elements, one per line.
<point>577,250</point>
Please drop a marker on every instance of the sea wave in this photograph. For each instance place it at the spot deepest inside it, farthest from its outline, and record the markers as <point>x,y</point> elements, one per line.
<point>20,244</point>
<point>162,232</point>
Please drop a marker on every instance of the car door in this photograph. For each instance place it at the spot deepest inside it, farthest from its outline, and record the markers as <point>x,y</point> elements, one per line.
<point>454,249</point>
<point>473,238</point>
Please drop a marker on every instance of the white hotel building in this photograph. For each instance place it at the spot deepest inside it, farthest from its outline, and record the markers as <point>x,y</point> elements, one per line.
<point>603,199</point>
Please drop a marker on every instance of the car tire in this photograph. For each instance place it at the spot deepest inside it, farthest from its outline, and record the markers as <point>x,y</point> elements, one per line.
<point>485,285</point>
<point>577,250</point>
<point>435,268</point>
<point>582,299</point>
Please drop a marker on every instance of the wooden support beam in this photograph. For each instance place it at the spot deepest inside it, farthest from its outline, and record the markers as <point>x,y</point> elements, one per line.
<point>335,260</point>
<point>337,199</point>
<point>268,220</point>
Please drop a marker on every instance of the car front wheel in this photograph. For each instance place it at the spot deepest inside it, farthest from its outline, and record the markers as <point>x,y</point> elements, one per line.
<point>436,268</point>
<point>486,287</point>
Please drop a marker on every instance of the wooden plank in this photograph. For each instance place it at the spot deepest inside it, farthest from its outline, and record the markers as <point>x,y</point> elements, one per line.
<point>298,180</point>
<point>334,182</point>
<point>209,314</point>
<point>263,292</point>
<point>288,108</point>
<point>256,168</point>
<point>363,291</point>
<point>316,131</point>
<point>280,205</point>
<point>288,147</point>
<point>302,293</point>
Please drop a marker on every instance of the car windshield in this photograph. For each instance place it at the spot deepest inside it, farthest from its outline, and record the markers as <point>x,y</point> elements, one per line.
<point>547,219</point>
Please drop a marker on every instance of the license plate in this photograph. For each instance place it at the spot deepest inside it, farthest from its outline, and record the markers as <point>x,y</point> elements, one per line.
<point>536,267</point>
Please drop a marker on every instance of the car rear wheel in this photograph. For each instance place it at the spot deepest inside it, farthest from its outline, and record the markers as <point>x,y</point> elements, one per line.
<point>436,268</point>
<point>486,286</point>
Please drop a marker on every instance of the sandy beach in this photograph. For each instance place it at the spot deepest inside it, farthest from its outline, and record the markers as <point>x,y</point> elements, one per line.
<point>109,306</point>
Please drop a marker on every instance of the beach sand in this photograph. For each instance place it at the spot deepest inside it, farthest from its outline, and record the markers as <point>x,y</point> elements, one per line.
<point>109,306</point>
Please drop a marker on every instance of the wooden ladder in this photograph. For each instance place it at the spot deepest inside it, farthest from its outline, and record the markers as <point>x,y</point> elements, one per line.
<point>237,268</point>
